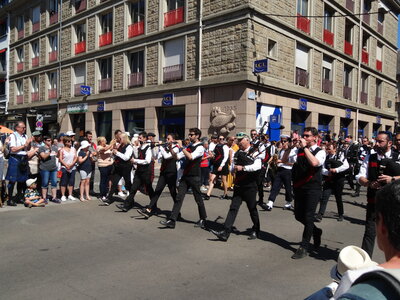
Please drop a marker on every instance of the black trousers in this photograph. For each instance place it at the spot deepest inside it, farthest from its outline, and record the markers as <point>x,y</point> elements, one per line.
<point>305,204</point>
<point>283,177</point>
<point>120,171</point>
<point>185,183</point>
<point>91,182</point>
<point>370,230</point>
<point>260,184</point>
<point>334,186</point>
<point>139,180</point>
<point>164,179</point>
<point>248,195</point>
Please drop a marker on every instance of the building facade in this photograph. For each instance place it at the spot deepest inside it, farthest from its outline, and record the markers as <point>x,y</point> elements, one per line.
<point>169,65</point>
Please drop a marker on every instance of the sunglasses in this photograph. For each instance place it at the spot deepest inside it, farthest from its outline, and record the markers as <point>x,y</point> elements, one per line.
<point>284,141</point>
<point>307,135</point>
<point>221,139</point>
<point>192,134</point>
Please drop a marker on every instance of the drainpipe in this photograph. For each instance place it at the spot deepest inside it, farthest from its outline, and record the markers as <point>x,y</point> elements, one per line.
<point>59,64</point>
<point>200,62</point>
<point>359,69</point>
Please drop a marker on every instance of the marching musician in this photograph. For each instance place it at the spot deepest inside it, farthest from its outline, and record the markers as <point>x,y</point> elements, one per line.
<point>245,188</point>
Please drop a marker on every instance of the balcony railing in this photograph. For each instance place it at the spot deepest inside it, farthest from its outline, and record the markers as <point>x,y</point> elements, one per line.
<point>379,65</point>
<point>21,34</point>
<point>105,85</point>
<point>77,89</point>
<point>378,102</point>
<point>173,17</point>
<point>35,27</point>
<point>327,86</point>
<point>20,99</point>
<point>135,79</point>
<point>347,91</point>
<point>35,61</point>
<point>380,28</point>
<point>20,66</point>
<point>53,56</point>
<point>105,39</point>
<point>53,17</point>
<point>350,5</point>
<point>136,29</point>
<point>35,96</point>
<point>328,37</point>
<point>52,93</point>
<point>363,98</point>
<point>173,73</point>
<point>365,57</point>
<point>366,17</point>
<point>348,48</point>
<point>80,47</point>
<point>301,77</point>
<point>303,23</point>
<point>80,5</point>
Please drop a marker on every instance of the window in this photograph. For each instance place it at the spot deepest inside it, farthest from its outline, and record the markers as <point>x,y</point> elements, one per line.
<point>302,53</point>
<point>53,6</point>
<point>364,88</point>
<point>327,75</point>
<point>20,23</point>
<point>378,91</point>
<point>379,51</point>
<point>3,27</point>
<point>365,48</point>
<point>53,42</point>
<point>347,82</point>
<point>348,37</point>
<point>80,30</point>
<point>137,11</point>
<point>20,54</point>
<point>52,92</point>
<point>35,17</point>
<point>3,61</point>
<point>35,84</point>
<point>106,21</point>
<point>175,12</point>
<point>302,7</point>
<point>272,48</point>
<point>80,78</point>
<point>80,5</point>
<point>20,87</point>
<point>35,49</point>
<point>105,81</point>
<point>328,18</point>
<point>2,87</point>
<point>367,9</point>
<point>173,60</point>
<point>175,4</point>
<point>136,61</point>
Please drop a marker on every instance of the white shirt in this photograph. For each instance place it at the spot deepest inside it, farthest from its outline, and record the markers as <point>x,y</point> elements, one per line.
<point>148,155</point>
<point>211,146</point>
<point>17,140</point>
<point>127,155</point>
<point>364,167</point>
<point>291,158</point>
<point>167,155</point>
<point>340,169</point>
<point>257,164</point>
<point>225,148</point>
<point>198,152</point>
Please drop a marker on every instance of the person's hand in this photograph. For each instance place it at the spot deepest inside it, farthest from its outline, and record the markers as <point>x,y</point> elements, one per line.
<point>114,151</point>
<point>239,168</point>
<point>375,184</point>
<point>333,171</point>
<point>303,143</point>
<point>219,169</point>
<point>385,179</point>
<point>133,160</point>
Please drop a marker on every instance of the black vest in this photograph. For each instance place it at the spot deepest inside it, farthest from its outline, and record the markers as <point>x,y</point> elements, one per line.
<point>386,166</point>
<point>168,165</point>
<point>119,160</point>
<point>142,155</point>
<point>333,163</point>
<point>242,178</point>
<point>219,155</point>
<point>303,174</point>
<point>192,167</point>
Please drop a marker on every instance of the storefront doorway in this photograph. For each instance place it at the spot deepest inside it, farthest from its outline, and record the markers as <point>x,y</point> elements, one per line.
<point>134,120</point>
<point>104,124</point>
<point>78,124</point>
<point>299,119</point>
<point>171,120</point>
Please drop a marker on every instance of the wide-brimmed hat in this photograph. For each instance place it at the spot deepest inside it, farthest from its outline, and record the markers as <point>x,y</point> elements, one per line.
<point>70,133</point>
<point>84,144</point>
<point>351,258</point>
<point>30,181</point>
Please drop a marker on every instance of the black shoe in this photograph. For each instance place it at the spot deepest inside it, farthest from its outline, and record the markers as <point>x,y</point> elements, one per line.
<point>221,235</point>
<point>300,253</point>
<point>200,223</point>
<point>340,218</point>
<point>11,203</point>
<point>123,208</point>
<point>317,238</point>
<point>253,236</point>
<point>263,205</point>
<point>355,194</point>
<point>318,218</point>
<point>206,197</point>
<point>145,212</point>
<point>168,223</point>
<point>107,202</point>
<point>224,197</point>
<point>180,217</point>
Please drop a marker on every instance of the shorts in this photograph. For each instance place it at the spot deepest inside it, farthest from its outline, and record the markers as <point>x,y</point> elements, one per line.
<point>85,175</point>
<point>224,171</point>
<point>67,178</point>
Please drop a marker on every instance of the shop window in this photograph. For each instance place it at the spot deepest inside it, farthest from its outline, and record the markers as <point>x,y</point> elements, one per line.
<point>173,60</point>
<point>171,120</point>
<point>104,124</point>
<point>136,27</point>
<point>136,61</point>
<point>302,75</point>
<point>134,121</point>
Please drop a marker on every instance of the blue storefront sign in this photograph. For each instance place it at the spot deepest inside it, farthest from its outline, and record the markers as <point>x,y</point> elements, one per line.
<point>303,104</point>
<point>85,90</point>
<point>260,66</point>
<point>348,113</point>
<point>101,106</point>
<point>168,100</point>
<point>378,119</point>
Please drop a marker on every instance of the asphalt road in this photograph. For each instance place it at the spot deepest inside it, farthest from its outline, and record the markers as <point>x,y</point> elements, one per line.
<point>79,250</point>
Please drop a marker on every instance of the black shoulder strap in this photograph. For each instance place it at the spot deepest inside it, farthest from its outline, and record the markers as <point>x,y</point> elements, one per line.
<point>390,276</point>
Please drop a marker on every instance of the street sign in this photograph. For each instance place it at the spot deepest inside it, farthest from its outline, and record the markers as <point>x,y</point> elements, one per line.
<point>168,100</point>
<point>85,90</point>
<point>260,66</point>
<point>101,106</point>
<point>348,113</point>
<point>378,119</point>
<point>39,118</point>
<point>39,126</point>
<point>303,104</point>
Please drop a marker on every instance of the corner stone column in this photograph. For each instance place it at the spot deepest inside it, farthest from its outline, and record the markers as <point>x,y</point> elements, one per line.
<point>334,125</point>
<point>286,119</point>
<point>150,120</point>
<point>312,120</point>
<point>117,121</point>
<point>90,124</point>
<point>65,122</point>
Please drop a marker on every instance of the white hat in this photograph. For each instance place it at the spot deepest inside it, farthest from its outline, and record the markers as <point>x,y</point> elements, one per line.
<point>30,181</point>
<point>351,258</point>
<point>284,136</point>
<point>70,133</point>
<point>128,134</point>
<point>84,144</point>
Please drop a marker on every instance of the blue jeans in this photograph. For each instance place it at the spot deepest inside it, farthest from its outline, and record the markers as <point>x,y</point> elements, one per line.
<point>49,176</point>
<point>105,173</point>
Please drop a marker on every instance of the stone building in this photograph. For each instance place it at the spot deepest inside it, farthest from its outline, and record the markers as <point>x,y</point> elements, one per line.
<point>224,66</point>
